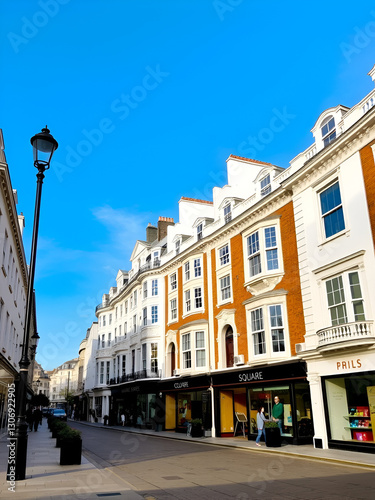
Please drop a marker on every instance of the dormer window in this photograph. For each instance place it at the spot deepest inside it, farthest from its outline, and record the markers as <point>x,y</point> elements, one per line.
<point>178,246</point>
<point>227,213</point>
<point>200,231</point>
<point>328,130</point>
<point>265,185</point>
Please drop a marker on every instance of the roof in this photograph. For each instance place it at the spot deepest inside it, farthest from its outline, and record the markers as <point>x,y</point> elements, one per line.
<point>252,161</point>
<point>195,200</point>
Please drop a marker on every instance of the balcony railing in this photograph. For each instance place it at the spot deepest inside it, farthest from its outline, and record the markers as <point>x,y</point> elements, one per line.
<point>349,331</point>
<point>146,267</point>
<point>135,376</point>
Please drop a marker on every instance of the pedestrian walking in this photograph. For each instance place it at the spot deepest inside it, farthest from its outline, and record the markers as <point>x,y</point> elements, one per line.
<point>122,419</point>
<point>261,419</point>
<point>37,416</point>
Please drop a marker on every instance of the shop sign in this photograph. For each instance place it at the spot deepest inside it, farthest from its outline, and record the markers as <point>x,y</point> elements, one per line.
<point>347,365</point>
<point>249,377</point>
<point>181,385</point>
<point>135,388</point>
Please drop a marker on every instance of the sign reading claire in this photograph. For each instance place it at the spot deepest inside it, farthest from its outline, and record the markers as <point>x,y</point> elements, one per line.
<point>181,385</point>
<point>249,377</point>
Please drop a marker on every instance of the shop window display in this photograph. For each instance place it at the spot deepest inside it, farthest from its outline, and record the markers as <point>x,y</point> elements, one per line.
<point>300,409</point>
<point>351,407</point>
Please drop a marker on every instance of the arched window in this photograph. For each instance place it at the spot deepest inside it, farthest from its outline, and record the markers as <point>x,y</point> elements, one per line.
<point>229,349</point>
<point>328,130</point>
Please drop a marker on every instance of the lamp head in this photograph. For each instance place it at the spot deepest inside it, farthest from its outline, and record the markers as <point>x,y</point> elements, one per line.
<point>44,145</point>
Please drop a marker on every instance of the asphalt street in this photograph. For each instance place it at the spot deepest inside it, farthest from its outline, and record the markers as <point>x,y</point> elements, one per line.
<point>159,468</point>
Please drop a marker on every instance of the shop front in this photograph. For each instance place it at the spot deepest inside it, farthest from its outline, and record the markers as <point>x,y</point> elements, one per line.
<point>239,393</point>
<point>137,401</point>
<point>186,399</point>
<point>343,391</point>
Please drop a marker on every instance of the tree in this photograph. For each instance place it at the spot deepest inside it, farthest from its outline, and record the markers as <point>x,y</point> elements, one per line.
<point>69,396</point>
<point>40,400</point>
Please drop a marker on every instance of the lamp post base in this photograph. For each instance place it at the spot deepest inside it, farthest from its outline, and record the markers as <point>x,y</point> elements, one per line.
<point>17,447</point>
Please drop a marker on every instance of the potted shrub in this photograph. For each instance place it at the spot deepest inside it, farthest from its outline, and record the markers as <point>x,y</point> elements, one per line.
<point>61,433</point>
<point>56,427</point>
<point>273,436</point>
<point>196,427</point>
<point>70,447</point>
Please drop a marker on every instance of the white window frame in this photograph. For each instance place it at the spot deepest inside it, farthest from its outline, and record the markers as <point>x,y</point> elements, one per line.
<point>186,351</point>
<point>200,231</point>
<point>324,215</point>
<point>330,134</point>
<point>200,348</point>
<point>173,309</point>
<point>347,300</point>
<point>145,316</point>
<point>266,305</point>
<point>144,290</point>
<point>144,356</point>
<point>227,213</point>
<point>187,300</point>
<point>154,314</point>
<point>187,271</point>
<point>198,296</point>
<point>197,268</point>
<point>173,281</point>
<point>154,289</point>
<point>178,246</point>
<point>154,357</point>
<point>265,185</point>
<point>225,288</point>
<point>222,256</point>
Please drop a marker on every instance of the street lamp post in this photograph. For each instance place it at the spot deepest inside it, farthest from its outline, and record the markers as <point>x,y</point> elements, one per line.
<point>44,145</point>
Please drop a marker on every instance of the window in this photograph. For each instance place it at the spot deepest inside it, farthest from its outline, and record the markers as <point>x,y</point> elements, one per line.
<point>332,212</point>
<point>125,328</point>
<point>200,231</point>
<point>224,255</point>
<point>120,309</point>
<point>227,213</point>
<point>186,351</point>
<point>187,301</point>
<point>265,185</point>
<point>173,281</point>
<point>267,239</point>
<point>328,131</point>
<point>345,301</point>
<point>197,268</point>
<point>126,307</point>
<point>144,358</point>
<point>173,305</point>
<point>123,364</point>
<point>267,328</point>
<point>145,290</point>
<point>200,352</point>
<point>108,372</point>
<point>104,320</point>
<point>225,288</point>
<point>187,271</point>
<point>135,323</point>
<point>257,329</point>
<point>145,316</point>
<point>154,288</point>
<point>103,340</point>
<point>154,357</point>
<point>178,246</point>
<point>109,339</point>
<point>135,298</point>
<point>101,375</point>
<point>277,330</point>
<point>110,319</point>
<point>198,298</point>
<point>154,314</point>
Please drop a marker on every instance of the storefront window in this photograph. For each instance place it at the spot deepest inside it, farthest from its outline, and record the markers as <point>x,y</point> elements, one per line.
<point>264,396</point>
<point>303,410</point>
<point>189,406</point>
<point>351,407</point>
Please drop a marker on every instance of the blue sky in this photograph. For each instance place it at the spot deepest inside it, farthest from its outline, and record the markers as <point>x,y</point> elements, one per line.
<point>147,99</point>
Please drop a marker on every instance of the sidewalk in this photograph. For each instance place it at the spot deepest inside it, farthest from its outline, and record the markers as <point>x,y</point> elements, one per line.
<point>46,479</point>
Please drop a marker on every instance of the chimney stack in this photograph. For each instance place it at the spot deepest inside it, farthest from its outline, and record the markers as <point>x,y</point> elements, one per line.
<point>163,224</point>
<point>151,233</point>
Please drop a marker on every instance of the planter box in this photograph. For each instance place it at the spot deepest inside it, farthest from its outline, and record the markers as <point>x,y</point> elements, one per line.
<point>273,437</point>
<point>70,452</point>
<point>196,431</point>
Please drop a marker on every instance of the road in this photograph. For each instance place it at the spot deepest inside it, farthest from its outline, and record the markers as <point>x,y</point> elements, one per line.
<point>166,469</point>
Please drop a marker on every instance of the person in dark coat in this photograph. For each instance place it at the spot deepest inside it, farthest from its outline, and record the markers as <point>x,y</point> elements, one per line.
<point>29,418</point>
<point>37,417</point>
